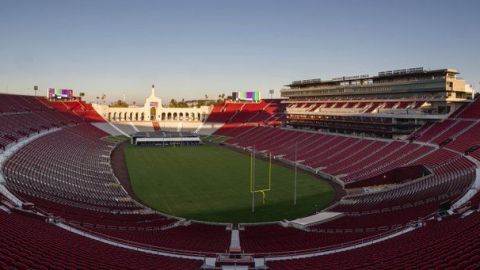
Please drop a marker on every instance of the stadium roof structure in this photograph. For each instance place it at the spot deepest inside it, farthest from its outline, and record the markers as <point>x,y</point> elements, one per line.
<point>381,75</point>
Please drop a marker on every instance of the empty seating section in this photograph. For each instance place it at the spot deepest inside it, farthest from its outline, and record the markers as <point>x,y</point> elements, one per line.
<point>195,238</point>
<point>19,125</point>
<point>21,116</point>
<point>223,113</point>
<point>247,111</point>
<point>233,130</point>
<point>466,140</point>
<point>352,106</point>
<point>266,239</point>
<point>246,114</point>
<point>217,113</point>
<point>432,188</point>
<point>383,164</point>
<point>78,108</point>
<point>71,165</point>
<point>150,229</point>
<point>16,103</point>
<point>453,131</point>
<point>459,132</point>
<point>435,130</point>
<point>28,243</point>
<point>450,244</point>
<point>377,221</point>
<point>369,148</point>
<point>471,111</point>
<point>476,154</point>
<point>89,113</point>
<point>437,157</point>
<point>103,220</point>
<point>448,129</point>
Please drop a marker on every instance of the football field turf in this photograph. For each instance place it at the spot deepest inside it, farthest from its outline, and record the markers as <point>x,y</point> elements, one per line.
<point>212,183</point>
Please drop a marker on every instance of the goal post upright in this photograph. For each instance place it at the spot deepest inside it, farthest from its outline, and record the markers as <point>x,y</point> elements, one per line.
<point>253,189</point>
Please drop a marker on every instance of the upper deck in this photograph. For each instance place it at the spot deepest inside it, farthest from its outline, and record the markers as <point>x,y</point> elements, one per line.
<point>387,84</point>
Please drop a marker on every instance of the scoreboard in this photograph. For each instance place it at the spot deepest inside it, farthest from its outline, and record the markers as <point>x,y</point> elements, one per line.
<point>247,95</point>
<point>60,93</point>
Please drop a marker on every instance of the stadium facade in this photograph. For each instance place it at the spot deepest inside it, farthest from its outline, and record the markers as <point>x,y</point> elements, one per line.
<point>391,104</point>
<point>152,110</point>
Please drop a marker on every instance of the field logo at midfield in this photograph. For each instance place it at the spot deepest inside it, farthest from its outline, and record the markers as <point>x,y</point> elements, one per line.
<point>252,179</point>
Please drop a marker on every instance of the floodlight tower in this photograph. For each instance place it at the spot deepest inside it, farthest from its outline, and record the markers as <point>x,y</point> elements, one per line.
<point>295,177</point>
<point>271,91</point>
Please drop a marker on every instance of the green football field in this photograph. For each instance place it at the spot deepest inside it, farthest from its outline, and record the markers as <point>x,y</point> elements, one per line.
<point>212,183</point>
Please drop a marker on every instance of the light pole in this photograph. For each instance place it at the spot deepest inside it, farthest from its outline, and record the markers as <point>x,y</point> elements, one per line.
<point>271,91</point>
<point>295,178</point>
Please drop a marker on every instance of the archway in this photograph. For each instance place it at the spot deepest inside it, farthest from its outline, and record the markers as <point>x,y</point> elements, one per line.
<point>174,116</point>
<point>153,113</point>
<point>142,116</point>
<point>136,116</point>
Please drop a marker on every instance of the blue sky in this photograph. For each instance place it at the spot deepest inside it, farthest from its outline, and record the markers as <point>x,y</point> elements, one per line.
<point>192,48</point>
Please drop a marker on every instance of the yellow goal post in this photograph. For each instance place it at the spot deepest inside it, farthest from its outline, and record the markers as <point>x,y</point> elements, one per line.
<point>253,174</point>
